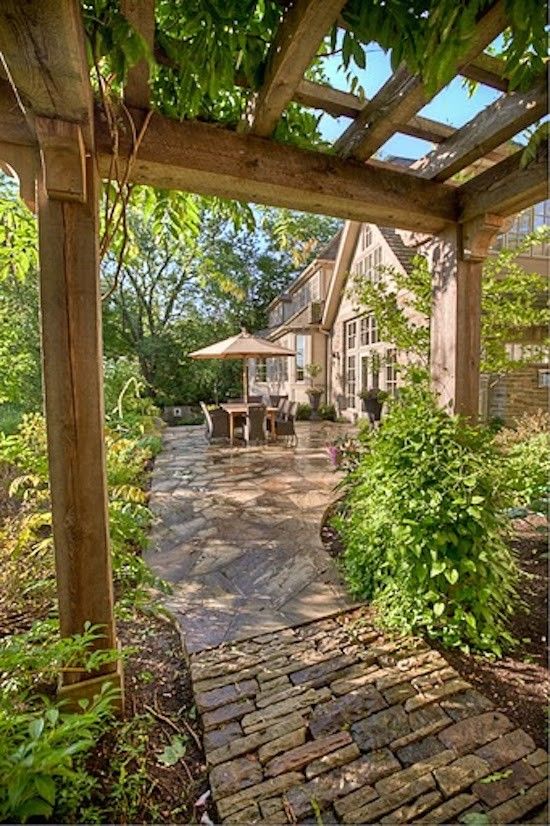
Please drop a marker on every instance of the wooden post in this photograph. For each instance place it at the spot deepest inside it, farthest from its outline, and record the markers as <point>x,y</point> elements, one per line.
<point>73,384</point>
<point>456,313</point>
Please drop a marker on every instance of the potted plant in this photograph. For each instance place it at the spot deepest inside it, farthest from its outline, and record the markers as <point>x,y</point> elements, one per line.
<point>314,391</point>
<point>373,401</point>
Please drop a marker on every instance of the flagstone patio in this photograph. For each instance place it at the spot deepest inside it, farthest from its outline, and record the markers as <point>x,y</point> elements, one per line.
<point>237,533</point>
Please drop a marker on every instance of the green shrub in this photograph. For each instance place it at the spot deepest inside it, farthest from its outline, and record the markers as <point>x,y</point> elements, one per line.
<point>10,418</point>
<point>526,448</point>
<point>44,745</point>
<point>303,412</point>
<point>327,412</point>
<point>424,529</point>
<point>528,472</point>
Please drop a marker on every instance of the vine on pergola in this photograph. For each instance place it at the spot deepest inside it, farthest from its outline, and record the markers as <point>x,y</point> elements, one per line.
<point>209,54</point>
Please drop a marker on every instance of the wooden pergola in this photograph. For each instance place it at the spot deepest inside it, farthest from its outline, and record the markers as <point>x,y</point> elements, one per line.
<point>54,135</point>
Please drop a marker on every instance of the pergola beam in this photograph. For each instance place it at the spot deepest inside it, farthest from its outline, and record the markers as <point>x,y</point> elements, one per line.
<point>404,95</point>
<point>493,126</point>
<point>303,27</point>
<point>202,158</point>
<point>42,42</point>
<point>141,16</point>
<point>488,70</point>
<point>506,188</point>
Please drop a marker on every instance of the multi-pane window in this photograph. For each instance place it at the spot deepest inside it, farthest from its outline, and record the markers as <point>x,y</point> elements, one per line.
<point>527,221</point>
<point>300,356</point>
<point>261,370</point>
<point>350,381</point>
<point>277,369</point>
<point>369,330</point>
<point>366,237</point>
<point>351,334</point>
<point>373,262</point>
<point>391,371</point>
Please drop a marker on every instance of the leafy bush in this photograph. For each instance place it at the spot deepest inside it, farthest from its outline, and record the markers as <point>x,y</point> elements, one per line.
<point>424,529</point>
<point>10,418</point>
<point>327,412</point>
<point>303,412</point>
<point>43,745</point>
<point>526,448</point>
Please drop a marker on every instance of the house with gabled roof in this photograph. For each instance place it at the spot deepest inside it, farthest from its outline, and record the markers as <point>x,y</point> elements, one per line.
<point>319,318</point>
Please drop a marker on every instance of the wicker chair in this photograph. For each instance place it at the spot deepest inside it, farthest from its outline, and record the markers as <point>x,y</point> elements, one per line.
<point>285,426</point>
<point>276,400</point>
<point>255,400</point>
<point>283,408</point>
<point>217,423</point>
<point>255,427</point>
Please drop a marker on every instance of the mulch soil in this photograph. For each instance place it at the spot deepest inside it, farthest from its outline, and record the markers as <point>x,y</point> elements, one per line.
<point>158,689</point>
<point>519,683</point>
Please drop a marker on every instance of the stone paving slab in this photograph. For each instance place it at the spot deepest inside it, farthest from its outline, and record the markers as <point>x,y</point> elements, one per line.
<point>237,534</point>
<point>331,722</point>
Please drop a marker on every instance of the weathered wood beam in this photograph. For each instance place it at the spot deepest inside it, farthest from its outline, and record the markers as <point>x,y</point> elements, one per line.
<point>506,188</point>
<point>141,16</point>
<point>14,126</point>
<point>455,336</point>
<point>404,95</point>
<point>73,385</point>
<point>206,159</point>
<point>337,103</point>
<point>302,29</point>
<point>488,70</point>
<point>42,42</point>
<point>493,126</point>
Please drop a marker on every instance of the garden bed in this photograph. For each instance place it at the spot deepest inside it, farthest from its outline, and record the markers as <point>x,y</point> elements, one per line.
<point>129,761</point>
<point>518,683</point>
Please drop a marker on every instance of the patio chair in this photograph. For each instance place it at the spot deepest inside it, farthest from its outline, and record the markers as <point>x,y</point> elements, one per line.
<point>217,423</point>
<point>255,400</point>
<point>285,427</point>
<point>275,401</point>
<point>283,408</point>
<point>254,427</point>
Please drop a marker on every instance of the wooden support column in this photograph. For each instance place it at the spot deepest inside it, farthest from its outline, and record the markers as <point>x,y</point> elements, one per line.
<point>457,265</point>
<point>72,356</point>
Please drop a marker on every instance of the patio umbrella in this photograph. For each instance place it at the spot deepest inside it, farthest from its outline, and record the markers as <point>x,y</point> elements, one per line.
<point>244,346</point>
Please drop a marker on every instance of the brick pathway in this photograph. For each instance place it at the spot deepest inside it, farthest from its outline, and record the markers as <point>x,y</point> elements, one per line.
<point>331,722</point>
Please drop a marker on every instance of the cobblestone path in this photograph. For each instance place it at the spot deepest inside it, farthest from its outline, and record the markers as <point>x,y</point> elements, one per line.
<point>237,534</point>
<point>331,722</point>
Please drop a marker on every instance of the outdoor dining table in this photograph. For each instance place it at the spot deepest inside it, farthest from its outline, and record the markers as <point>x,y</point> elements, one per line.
<point>236,409</point>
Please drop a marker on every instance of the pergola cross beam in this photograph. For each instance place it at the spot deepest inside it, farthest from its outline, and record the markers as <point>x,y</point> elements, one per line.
<point>404,94</point>
<point>493,126</point>
<point>302,29</point>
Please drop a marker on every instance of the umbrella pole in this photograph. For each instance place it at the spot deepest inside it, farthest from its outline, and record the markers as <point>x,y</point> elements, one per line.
<point>245,380</point>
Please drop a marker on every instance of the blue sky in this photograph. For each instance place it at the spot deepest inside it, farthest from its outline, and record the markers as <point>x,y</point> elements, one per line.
<point>453,105</point>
